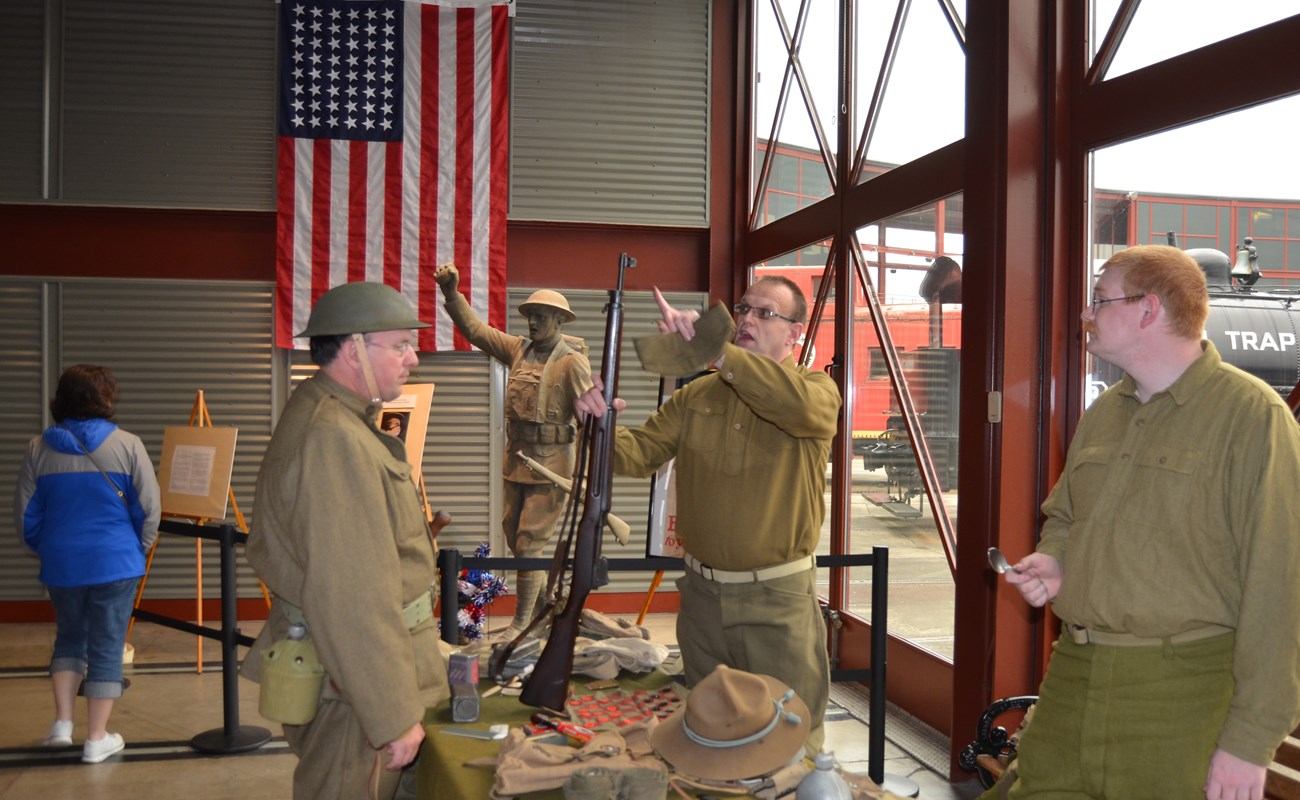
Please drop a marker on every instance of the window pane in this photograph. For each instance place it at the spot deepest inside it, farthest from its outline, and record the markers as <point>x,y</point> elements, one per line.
<point>1211,158</point>
<point>1269,252</point>
<point>816,182</point>
<point>1166,217</point>
<point>1162,29</point>
<point>780,205</point>
<point>916,257</point>
<point>890,506</point>
<point>1202,220</point>
<point>923,103</point>
<point>785,173</point>
<point>1266,221</point>
<point>793,119</point>
<point>1214,208</point>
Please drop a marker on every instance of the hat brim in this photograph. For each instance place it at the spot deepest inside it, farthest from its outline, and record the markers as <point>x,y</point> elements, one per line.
<point>671,355</point>
<point>401,325</point>
<point>567,316</point>
<point>745,761</point>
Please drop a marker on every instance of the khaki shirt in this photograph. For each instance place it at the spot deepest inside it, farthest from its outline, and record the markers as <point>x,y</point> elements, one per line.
<point>339,532</point>
<point>1182,512</point>
<point>538,390</point>
<point>752,443</point>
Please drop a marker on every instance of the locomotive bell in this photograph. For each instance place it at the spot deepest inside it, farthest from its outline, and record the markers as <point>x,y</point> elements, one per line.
<point>1245,271</point>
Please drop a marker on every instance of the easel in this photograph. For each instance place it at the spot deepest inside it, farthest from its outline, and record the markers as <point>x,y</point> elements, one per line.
<point>650,595</point>
<point>199,417</point>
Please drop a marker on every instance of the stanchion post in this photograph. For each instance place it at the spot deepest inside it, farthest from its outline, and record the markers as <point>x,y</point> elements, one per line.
<point>879,644</point>
<point>231,737</point>
<point>449,566</point>
<point>894,784</point>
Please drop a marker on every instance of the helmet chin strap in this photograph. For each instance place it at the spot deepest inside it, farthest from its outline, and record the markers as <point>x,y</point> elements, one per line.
<point>372,385</point>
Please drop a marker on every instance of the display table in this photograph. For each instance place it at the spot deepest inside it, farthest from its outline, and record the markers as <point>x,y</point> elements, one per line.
<point>443,771</point>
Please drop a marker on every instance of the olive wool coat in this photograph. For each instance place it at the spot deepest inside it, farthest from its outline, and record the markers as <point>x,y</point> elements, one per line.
<point>339,533</point>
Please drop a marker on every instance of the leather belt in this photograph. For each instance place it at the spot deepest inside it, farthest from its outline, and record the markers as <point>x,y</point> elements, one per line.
<point>1082,635</point>
<point>418,610</point>
<point>749,575</point>
<point>413,613</point>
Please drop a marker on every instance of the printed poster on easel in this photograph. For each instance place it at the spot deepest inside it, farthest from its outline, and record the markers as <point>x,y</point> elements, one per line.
<point>407,418</point>
<point>662,539</point>
<point>196,469</point>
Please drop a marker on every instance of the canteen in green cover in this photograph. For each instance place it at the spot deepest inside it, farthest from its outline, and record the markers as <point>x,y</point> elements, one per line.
<point>292,676</point>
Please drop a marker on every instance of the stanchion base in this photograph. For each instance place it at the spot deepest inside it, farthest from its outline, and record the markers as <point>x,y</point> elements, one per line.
<point>245,738</point>
<point>897,784</point>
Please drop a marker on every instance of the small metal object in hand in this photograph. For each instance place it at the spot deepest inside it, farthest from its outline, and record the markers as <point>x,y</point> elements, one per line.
<point>493,732</point>
<point>999,562</point>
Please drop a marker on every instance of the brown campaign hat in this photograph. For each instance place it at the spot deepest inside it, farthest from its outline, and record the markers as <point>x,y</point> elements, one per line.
<point>734,725</point>
<point>670,354</point>
<point>548,298</point>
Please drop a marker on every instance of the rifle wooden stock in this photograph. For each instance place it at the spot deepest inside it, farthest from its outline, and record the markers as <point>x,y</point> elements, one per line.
<point>548,686</point>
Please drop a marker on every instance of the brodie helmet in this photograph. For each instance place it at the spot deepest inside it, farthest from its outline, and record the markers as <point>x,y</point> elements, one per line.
<point>361,307</point>
<point>547,298</point>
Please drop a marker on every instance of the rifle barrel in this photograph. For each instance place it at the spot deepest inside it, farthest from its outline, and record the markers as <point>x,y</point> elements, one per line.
<point>548,686</point>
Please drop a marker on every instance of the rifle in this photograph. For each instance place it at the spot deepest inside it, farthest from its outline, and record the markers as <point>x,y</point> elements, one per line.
<point>548,686</point>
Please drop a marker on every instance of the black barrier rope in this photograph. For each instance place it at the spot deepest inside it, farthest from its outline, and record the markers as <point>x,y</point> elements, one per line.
<point>450,564</point>
<point>231,737</point>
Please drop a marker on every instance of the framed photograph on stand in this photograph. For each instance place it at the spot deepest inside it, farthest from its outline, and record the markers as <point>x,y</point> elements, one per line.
<point>407,418</point>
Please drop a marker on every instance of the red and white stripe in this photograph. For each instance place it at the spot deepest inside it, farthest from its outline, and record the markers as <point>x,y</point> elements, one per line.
<point>394,211</point>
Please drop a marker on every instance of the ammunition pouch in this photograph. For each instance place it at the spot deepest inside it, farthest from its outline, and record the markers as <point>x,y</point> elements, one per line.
<point>539,432</point>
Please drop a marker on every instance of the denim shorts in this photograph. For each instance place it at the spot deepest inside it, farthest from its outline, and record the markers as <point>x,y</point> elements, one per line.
<point>91,626</point>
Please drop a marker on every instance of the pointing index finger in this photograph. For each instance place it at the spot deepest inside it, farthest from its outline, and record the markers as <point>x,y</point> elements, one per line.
<point>664,308</point>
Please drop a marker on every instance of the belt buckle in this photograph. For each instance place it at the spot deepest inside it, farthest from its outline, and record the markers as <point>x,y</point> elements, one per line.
<point>1079,634</point>
<point>704,570</point>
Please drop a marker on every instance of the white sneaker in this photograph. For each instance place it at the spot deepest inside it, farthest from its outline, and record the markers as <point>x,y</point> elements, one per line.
<point>94,752</point>
<point>60,734</point>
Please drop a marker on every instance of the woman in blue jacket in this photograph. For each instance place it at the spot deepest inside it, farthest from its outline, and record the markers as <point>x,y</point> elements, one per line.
<point>87,503</point>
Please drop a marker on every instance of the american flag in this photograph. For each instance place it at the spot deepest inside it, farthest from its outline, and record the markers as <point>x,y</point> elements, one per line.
<point>391,155</point>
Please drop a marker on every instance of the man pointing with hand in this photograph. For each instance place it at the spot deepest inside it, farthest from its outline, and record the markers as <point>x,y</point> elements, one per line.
<point>751,442</point>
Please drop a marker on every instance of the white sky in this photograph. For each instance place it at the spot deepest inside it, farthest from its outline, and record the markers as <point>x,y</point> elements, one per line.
<point>1250,154</point>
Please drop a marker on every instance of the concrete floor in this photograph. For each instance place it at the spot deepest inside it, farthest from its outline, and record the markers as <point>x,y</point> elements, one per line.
<point>169,703</point>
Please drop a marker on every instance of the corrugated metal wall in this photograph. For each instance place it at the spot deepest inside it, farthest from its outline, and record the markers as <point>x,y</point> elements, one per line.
<point>165,341</point>
<point>168,103</point>
<point>22,400</point>
<point>610,112</point>
<point>22,45</point>
<point>159,103</point>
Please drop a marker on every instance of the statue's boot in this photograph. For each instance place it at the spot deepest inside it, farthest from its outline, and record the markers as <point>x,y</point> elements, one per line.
<point>528,600</point>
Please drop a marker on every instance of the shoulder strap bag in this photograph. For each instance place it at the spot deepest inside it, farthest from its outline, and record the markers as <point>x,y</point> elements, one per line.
<point>82,445</point>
